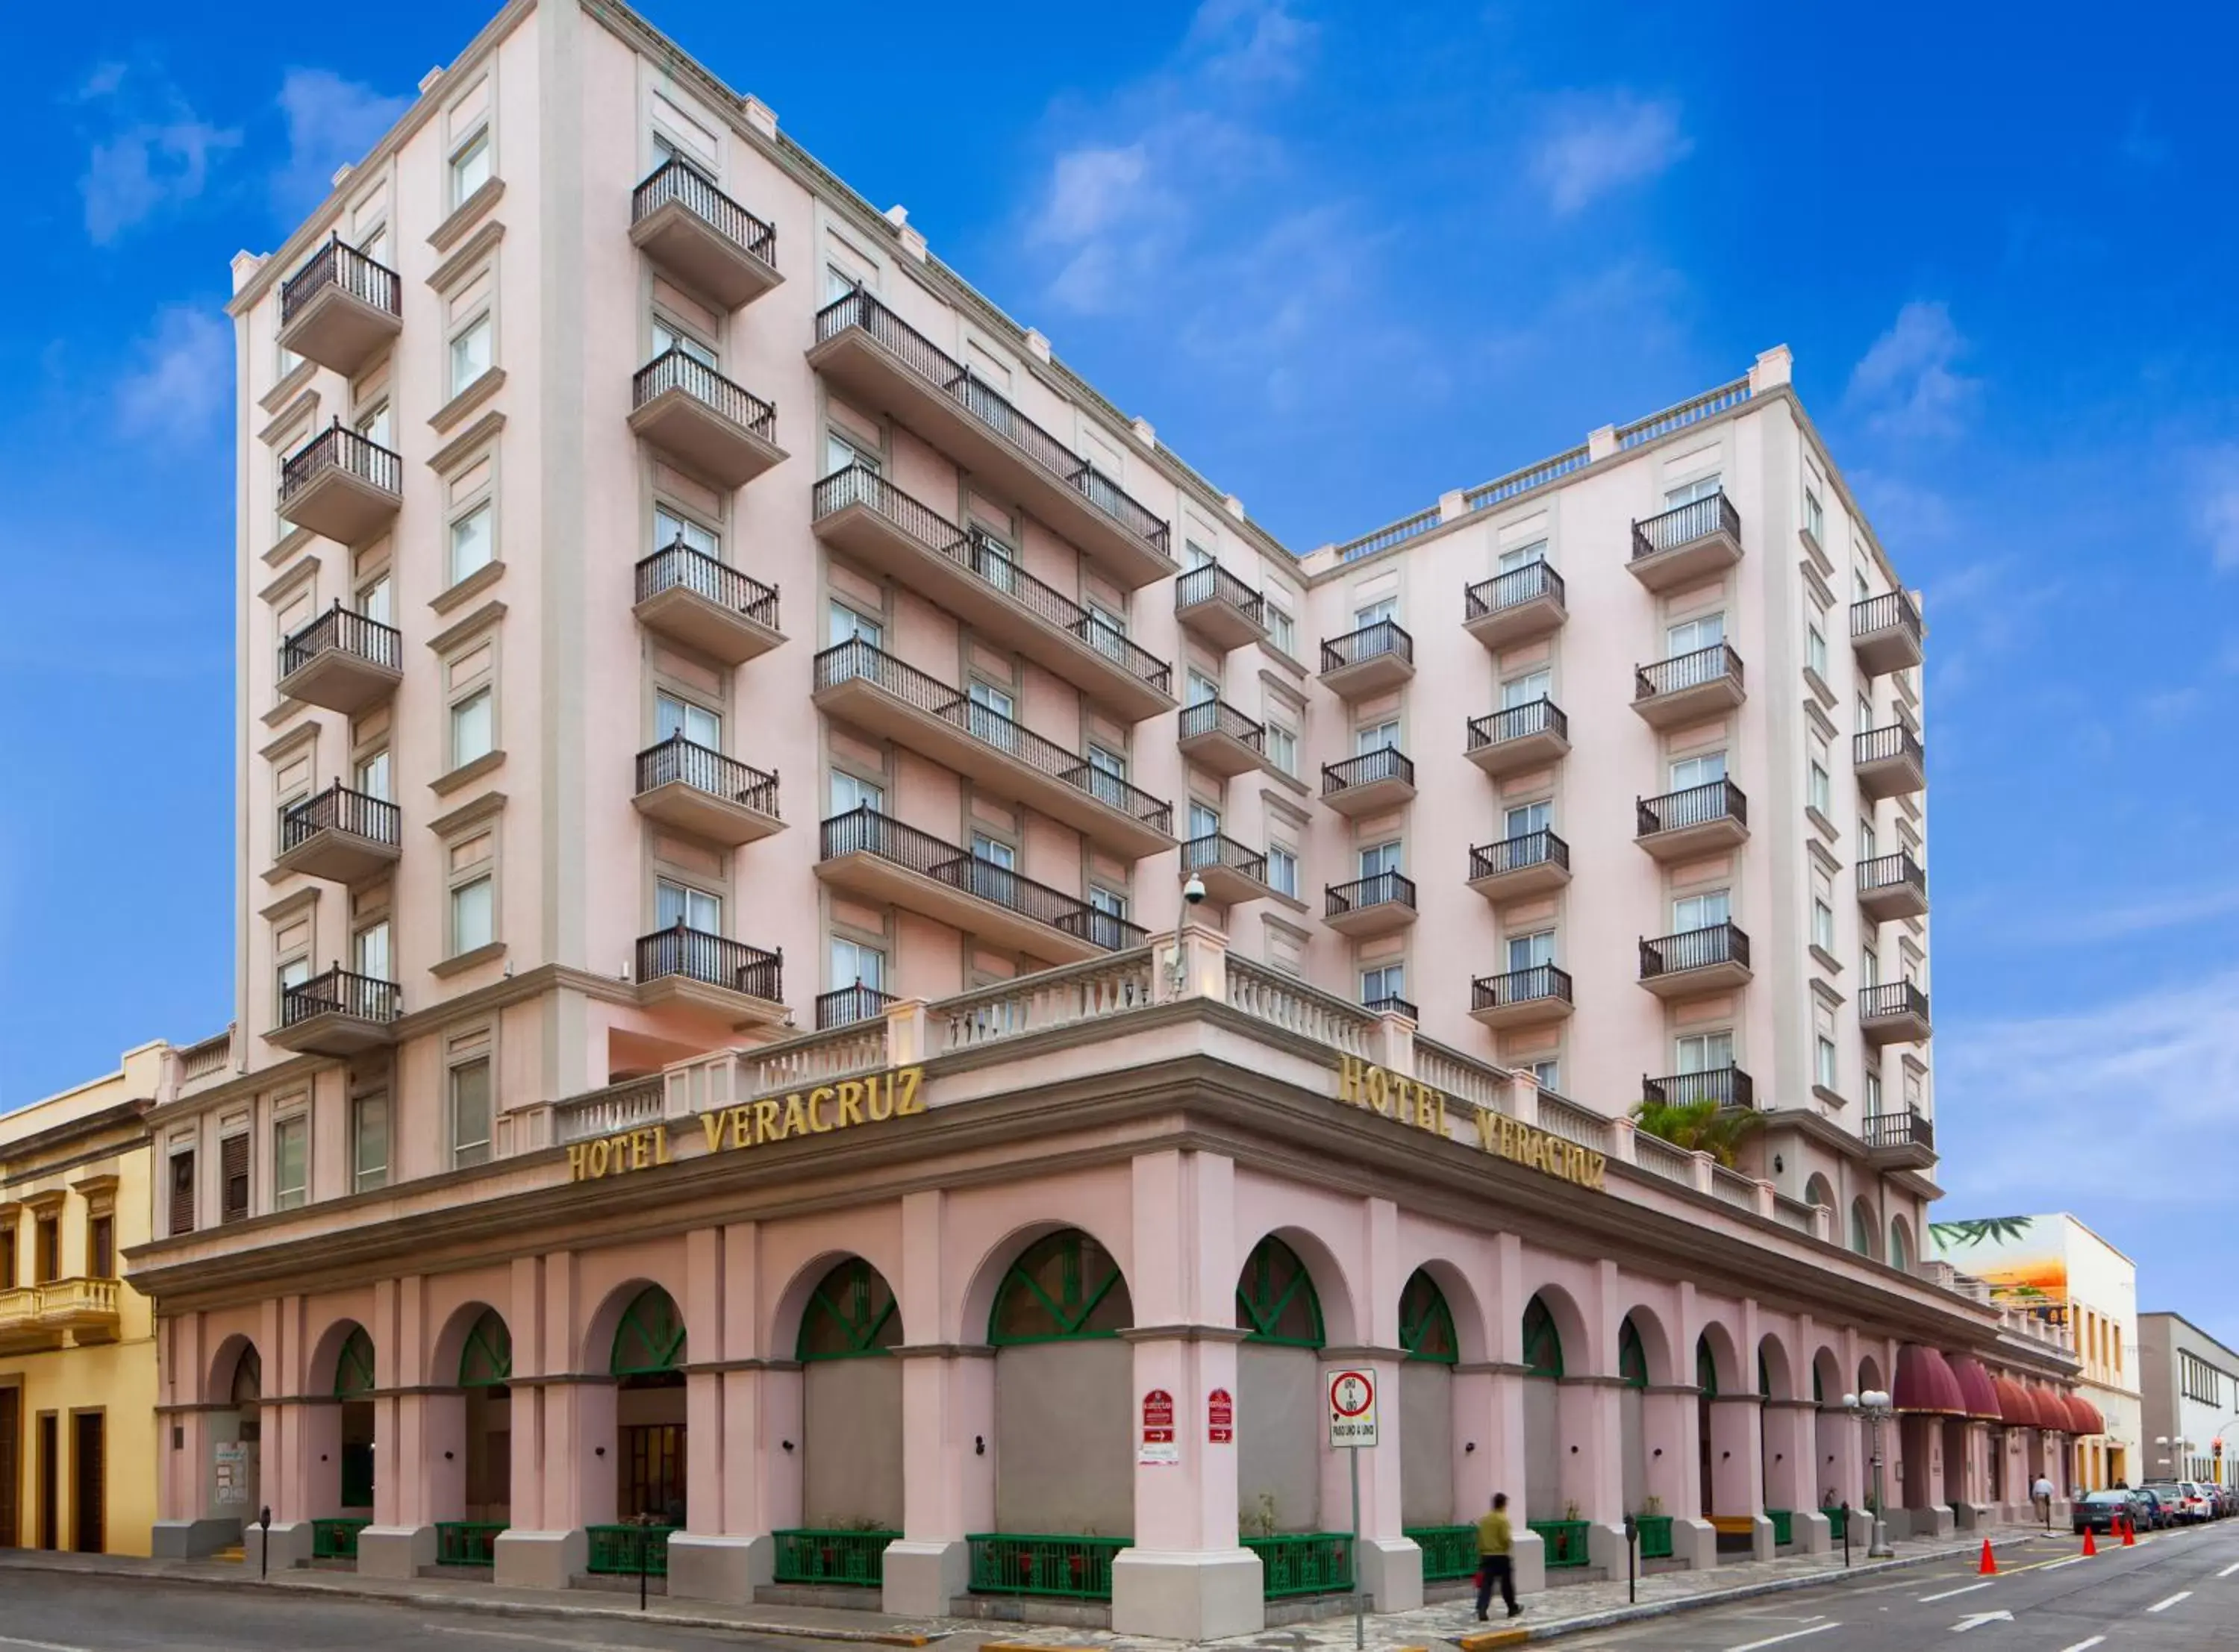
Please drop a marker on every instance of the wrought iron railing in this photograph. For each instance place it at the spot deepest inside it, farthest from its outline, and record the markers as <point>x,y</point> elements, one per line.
<point>1883,744</point>
<point>1315,1562</point>
<point>626,1551</point>
<point>857,660</point>
<point>843,1006</point>
<point>467,1542</point>
<point>852,1559</point>
<point>1075,1568</point>
<point>1214,583</point>
<point>1728,1086</point>
<point>679,181</point>
<point>338,448</point>
<point>1655,1536</point>
<point>1564,1542</point>
<point>1892,998</point>
<point>1219,717</point>
<point>341,631</point>
<point>678,761</point>
<point>1898,1130</point>
<point>342,266</point>
<point>1684,524</point>
<point>714,960</point>
<point>1393,1004</point>
<point>1538,983</point>
<point>1691,670</point>
<point>341,991</point>
<point>678,369</point>
<point>1513,854</point>
<point>1694,949</point>
<point>1511,590</point>
<point>1384,763</point>
<point>1694,806</point>
<point>1540,716</point>
<point>340,809</point>
<point>679,568</point>
<point>1379,889</point>
<point>336,1539</point>
<point>1783,1526</point>
<point>1382,639</point>
<point>1890,871</point>
<point>1890,609</point>
<point>1214,850</point>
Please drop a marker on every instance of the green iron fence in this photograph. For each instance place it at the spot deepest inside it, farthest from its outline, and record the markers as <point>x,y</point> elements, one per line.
<point>1784,1524</point>
<point>1074,1567</point>
<point>1655,1536</point>
<point>856,1558</point>
<point>1566,1541</point>
<point>466,1543</point>
<point>1449,1552</point>
<point>336,1539</point>
<point>1311,1563</point>
<point>624,1550</point>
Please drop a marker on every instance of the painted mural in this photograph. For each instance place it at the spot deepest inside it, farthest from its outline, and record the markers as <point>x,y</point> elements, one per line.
<point>2020,1257</point>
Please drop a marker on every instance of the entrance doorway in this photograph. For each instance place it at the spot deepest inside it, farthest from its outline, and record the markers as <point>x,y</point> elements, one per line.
<point>11,1462</point>
<point>50,1480</point>
<point>89,1477</point>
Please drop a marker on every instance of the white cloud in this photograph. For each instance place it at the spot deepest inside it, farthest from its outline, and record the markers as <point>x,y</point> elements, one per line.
<point>1590,146</point>
<point>152,152</point>
<point>1249,40</point>
<point>331,123</point>
<point>1907,384</point>
<point>183,381</point>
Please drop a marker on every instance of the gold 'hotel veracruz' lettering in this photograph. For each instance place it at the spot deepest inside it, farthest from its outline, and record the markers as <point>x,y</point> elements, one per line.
<point>871,1099</point>
<point>1412,1102</point>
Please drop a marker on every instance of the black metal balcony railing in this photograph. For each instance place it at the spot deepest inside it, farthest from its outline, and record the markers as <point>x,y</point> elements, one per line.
<point>1686,671</point>
<point>1512,589</point>
<point>679,568</point>
<point>1385,763</point>
<point>1540,716</point>
<point>1200,854</point>
<point>1394,1003</point>
<point>1382,888</point>
<point>864,831</point>
<point>1899,1129</point>
<point>1370,642</point>
<point>1728,1086</point>
<point>338,448</point>
<point>678,369</point>
<point>857,660</point>
<point>677,760</point>
<point>848,1004</point>
<point>1219,717</point>
<point>1694,949</point>
<point>1684,524</point>
<point>1214,583</point>
<point>339,991</point>
<point>1881,744</point>
<point>712,960</point>
<point>1888,871</point>
<point>340,265</point>
<point>990,563</point>
<point>340,809</point>
<point>926,360</point>
<point>1513,854</point>
<point>1890,999</point>
<point>1520,986</point>
<point>679,181</point>
<point>1695,806</point>
<point>1869,614</point>
<point>341,631</point>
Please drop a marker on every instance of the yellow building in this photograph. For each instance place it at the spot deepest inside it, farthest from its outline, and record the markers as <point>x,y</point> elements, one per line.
<point>77,1345</point>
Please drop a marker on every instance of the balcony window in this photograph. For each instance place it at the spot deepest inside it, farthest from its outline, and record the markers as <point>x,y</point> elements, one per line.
<point>1202,689</point>
<point>291,1138</point>
<point>470,165</point>
<point>473,543</point>
<point>1530,951</point>
<point>1383,737</point>
<point>1823,926</point>
<point>471,736</point>
<point>374,426</point>
<point>670,528</point>
<point>182,1213</point>
<point>1109,902</point>
<point>673,716</point>
<point>675,903</point>
<point>993,851</point>
<point>1526,690</point>
<point>368,1143</point>
<point>100,1247</point>
<point>1707,768</point>
<point>1282,629</point>
<point>473,914</point>
<point>1283,872</point>
<point>855,964</point>
<point>843,624</point>
<point>1687,492</point>
<point>1108,776</point>
<point>1704,1052</point>
<point>1522,556</point>
<point>1873,1095</point>
<point>849,792</point>
<point>1815,652</point>
<point>470,1114</point>
<point>1823,1062</point>
<point>1384,984</point>
<point>47,1250</point>
<point>471,354</point>
<point>372,774</point>
<point>1204,822</point>
<point>1690,636</point>
<point>1865,715</point>
<point>371,948</point>
<point>1282,748</point>
<point>1707,911</point>
<point>1547,1075</point>
<point>373,602</point>
<point>233,1177</point>
<point>1376,613</point>
<point>840,452</point>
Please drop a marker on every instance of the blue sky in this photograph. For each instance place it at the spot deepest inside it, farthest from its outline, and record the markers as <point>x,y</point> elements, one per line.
<point>1344,258</point>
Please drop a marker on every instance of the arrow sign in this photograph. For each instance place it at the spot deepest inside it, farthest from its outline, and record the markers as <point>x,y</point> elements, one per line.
<point>1975,1620</point>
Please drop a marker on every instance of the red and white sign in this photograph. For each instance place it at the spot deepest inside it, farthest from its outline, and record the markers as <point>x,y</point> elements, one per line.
<point>1220,1417</point>
<point>1351,1406</point>
<point>1159,1446</point>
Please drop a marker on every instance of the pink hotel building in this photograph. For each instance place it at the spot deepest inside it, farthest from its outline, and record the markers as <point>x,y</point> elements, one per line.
<point>726,1073</point>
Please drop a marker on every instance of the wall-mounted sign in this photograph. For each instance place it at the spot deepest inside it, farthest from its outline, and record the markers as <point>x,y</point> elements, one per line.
<point>1360,1084</point>
<point>1220,1417</point>
<point>1374,1089</point>
<point>871,1099</point>
<point>1160,1447</point>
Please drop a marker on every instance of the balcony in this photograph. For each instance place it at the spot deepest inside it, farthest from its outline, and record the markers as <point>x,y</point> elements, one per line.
<point>708,607</point>
<point>341,835</point>
<point>1524,997</point>
<point>1229,872</point>
<point>340,308</point>
<point>1728,1086</point>
<point>879,694</point>
<point>1531,863</point>
<point>1687,545</point>
<point>1896,1013</point>
<point>1520,606</point>
<point>705,794</point>
<point>337,1013</point>
<point>1901,1141</point>
<point>1885,633</point>
<point>848,1004</point>
<point>1701,820</point>
<point>1383,779</point>
<point>342,487</point>
<point>882,528</point>
<point>1391,1005</point>
<point>1367,661</point>
<point>1689,687</point>
<point>1220,609</point>
<point>1372,906</point>
<point>20,1330</point>
<point>341,661</point>
<point>887,366</point>
<point>694,232</point>
<point>689,966</point>
<point>1222,740</point>
<point>878,858</point>
<point>1889,761</point>
<point>37,1317</point>
<point>1524,737</point>
<point>698,417</point>
<point>1715,960</point>
<point>1892,887</point>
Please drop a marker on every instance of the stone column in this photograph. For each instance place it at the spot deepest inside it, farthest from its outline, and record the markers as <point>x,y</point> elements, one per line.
<point>706,1561</point>
<point>1671,1426</point>
<point>564,1443</point>
<point>1737,1467</point>
<point>283,1481</point>
<point>1506,1377</point>
<point>761,1407</point>
<point>420,1438</point>
<point>1387,1564</point>
<point>1790,1442</point>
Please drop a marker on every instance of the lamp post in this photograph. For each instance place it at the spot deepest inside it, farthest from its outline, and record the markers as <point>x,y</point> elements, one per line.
<point>1874,1406</point>
<point>2177,1447</point>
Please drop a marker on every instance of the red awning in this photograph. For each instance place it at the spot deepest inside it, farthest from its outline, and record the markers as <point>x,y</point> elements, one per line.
<point>2085,1416</point>
<point>2051,1409</point>
<point>1924,1382</point>
<point>2016,1404</point>
<point>1976,1388</point>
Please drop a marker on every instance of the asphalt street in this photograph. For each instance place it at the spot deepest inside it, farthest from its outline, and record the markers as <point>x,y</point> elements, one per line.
<point>2177,1588</point>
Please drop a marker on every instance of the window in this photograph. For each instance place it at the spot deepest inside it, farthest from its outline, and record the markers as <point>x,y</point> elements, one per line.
<point>1861,588</point>
<point>1204,821</point>
<point>1814,519</point>
<point>1202,689</point>
<point>993,851</point>
<point>1687,492</point>
<point>1384,737</point>
<point>371,775</point>
<point>291,1138</point>
<point>1824,1073</point>
<point>470,353</point>
<point>1819,788</point>
<point>1522,556</point>
<point>855,964</point>
<point>838,282</point>
<point>673,716</point>
<point>1823,926</point>
<point>293,972</point>
<point>1704,1052</point>
<point>1870,967</point>
<point>100,1247</point>
<point>473,545</point>
<point>1106,631</point>
<point>675,903</point>
<point>369,952</point>
<point>848,793</point>
<point>1707,911</point>
<point>1383,982</point>
<point>1377,859</point>
<point>1376,613</point>
<point>373,600</point>
<point>1706,631</point>
<point>1194,555</point>
<point>666,338</point>
<point>368,1143</point>
<point>233,1177</point>
<point>840,451</point>
<point>843,624</point>
<point>1282,629</point>
<point>471,734</point>
<point>183,1196</point>
<point>1109,902</point>
<point>470,1114</point>
<point>1283,872</point>
<point>1530,951</point>
<point>1868,846</point>
<point>374,426</point>
<point>670,528</point>
<point>1815,651</point>
<point>1525,690</point>
<point>1283,749</point>
<point>1873,1095</point>
<point>1545,1074</point>
<point>470,165</point>
<point>1107,776</point>
<point>1528,818</point>
<point>1705,768</point>
<point>1865,714</point>
<point>473,914</point>
<point>993,715</point>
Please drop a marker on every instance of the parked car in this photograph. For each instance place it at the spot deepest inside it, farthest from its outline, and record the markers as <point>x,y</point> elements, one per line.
<point>2160,1512</point>
<point>2100,1511</point>
<point>2185,1500</point>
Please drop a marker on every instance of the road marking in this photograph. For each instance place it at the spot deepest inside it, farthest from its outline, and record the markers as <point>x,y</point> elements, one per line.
<point>42,1646</point>
<point>2228,1571</point>
<point>1793,1634</point>
<point>2163,1606</point>
<point>2052,1565</point>
<point>1975,1620</point>
<point>1931,1600</point>
<point>2084,1646</point>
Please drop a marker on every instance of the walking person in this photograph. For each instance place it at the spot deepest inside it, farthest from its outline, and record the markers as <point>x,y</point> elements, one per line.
<point>1495,1559</point>
<point>2040,1495</point>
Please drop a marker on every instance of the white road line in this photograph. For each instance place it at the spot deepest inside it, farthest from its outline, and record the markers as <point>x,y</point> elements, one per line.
<point>2228,1571</point>
<point>2163,1606</point>
<point>42,1646</point>
<point>2084,1646</point>
<point>1931,1600</point>
<point>2055,1565</point>
<point>1794,1635</point>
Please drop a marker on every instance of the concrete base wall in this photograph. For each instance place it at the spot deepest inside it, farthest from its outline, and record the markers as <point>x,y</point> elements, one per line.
<point>1813,1532</point>
<point>1606,1548</point>
<point>1694,1543</point>
<point>395,1551</point>
<point>1390,1572</point>
<point>1528,1558</point>
<point>540,1559</point>
<point>1190,1596</point>
<point>729,1569</point>
<point>192,1539</point>
<point>289,1544</point>
<point>922,1577</point>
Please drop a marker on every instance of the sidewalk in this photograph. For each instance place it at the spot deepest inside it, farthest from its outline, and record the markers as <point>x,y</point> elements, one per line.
<point>1566,1610</point>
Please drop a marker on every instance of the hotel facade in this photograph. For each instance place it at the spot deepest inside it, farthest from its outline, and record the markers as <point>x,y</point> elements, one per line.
<point>728,1076</point>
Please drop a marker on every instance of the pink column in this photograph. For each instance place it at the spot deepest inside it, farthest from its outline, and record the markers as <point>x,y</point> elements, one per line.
<point>1737,1466</point>
<point>1790,1442</point>
<point>1389,1567</point>
<point>707,1560</point>
<point>761,1410</point>
<point>563,1444</point>
<point>1503,1437</point>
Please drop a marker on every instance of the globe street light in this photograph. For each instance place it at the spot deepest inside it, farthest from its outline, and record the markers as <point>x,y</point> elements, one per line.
<point>1874,1406</point>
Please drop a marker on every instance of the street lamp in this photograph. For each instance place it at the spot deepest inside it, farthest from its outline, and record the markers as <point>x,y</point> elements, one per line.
<point>2177,1447</point>
<point>1874,1406</point>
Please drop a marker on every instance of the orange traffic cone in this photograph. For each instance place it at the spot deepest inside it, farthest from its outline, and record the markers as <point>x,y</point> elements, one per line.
<point>2130,1533</point>
<point>1990,1566</point>
<point>2089,1548</point>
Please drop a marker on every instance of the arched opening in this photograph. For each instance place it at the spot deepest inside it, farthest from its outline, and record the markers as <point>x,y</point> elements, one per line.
<point>851,1429</point>
<point>1819,1190</point>
<point>354,1386</point>
<point>232,1487</point>
<point>1865,1230</point>
<point>1426,1404</point>
<point>1632,1426</point>
<point>485,1377</point>
<point>1706,1390</point>
<point>647,1365</point>
<point>1900,1251</point>
<point>1543,1427</point>
<point>1278,1409</point>
<point>1833,1434</point>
